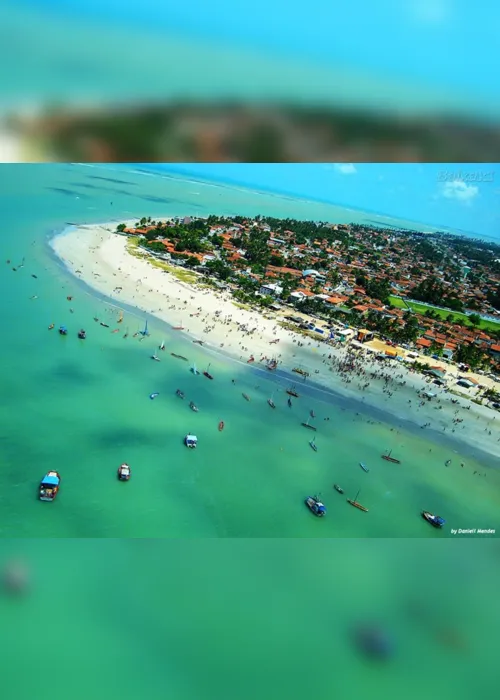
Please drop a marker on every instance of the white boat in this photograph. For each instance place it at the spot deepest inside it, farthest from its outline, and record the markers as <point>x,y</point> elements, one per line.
<point>191,441</point>
<point>162,346</point>
<point>194,370</point>
<point>155,357</point>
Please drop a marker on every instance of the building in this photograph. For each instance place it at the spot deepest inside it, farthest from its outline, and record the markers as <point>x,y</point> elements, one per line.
<point>271,290</point>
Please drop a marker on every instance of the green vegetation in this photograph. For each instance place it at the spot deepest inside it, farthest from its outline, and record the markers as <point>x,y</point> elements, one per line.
<point>457,317</point>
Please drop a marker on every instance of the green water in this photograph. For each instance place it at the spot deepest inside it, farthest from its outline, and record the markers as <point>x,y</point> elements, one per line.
<point>83,408</point>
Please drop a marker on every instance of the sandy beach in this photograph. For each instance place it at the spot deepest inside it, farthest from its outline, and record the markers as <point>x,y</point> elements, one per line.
<point>99,257</point>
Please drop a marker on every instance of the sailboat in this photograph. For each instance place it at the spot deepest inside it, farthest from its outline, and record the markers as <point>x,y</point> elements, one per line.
<point>308,425</point>
<point>207,374</point>
<point>145,332</point>
<point>271,402</point>
<point>194,370</point>
<point>388,458</point>
<point>162,346</point>
<point>292,391</point>
<point>178,328</point>
<point>313,445</point>
<point>121,317</point>
<point>125,335</point>
<point>356,504</point>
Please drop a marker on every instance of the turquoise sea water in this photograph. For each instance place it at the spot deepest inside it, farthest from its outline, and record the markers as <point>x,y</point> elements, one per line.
<point>83,408</point>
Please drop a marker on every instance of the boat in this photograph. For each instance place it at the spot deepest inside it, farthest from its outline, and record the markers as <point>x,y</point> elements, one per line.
<point>82,334</point>
<point>312,414</point>
<point>364,467</point>
<point>434,520</point>
<point>271,366</point>
<point>221,425</point>
<point>35,276</point>
<point>308,425</point>
<point>145,332</point>
<point>271,402</point>
<point>162,346</point>
<point>117,330</point>
<point>246,397</point>
<point>207,374</point>
<point>194,370</point>
<point>191,441</point>
<point>178,328</point>
<point>121,317</point>
<point>356,504</point>
<point>154,395</point>
<point>338,488</point>
<point>63,330</point>
<point>123,472</point>
<point>95,319</point>
<point>155,357</point>
<point>179,357</point>
<point>315,506</point>
<point>388,458</point>
<point>289,402</point>
<point>252,359</point>
<point>447,463</point>
<point>49,486</point>
<point>51,326</point>
<point>199,342</point>
<point>313,445</point>
<point>292,392</point>
<point>106,325</point>
<point>300,371</point>
<point>193,407</point>
<point>179,393</point>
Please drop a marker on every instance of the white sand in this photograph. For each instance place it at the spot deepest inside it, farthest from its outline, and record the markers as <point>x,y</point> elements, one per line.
<point>100,258</point>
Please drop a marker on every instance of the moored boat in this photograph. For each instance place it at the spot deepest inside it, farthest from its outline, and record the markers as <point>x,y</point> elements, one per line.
<point>193,407</point>
<point>63,330</point>
<point>191,441</point>
<point>179,357</point>
<point>51,326</point>
<point>49,486</point>
<point>292,392</point>
<point>338,488</point>
<point>364,467</point>
<point>312,414</point>
<point>313,445</point>
<point>154,395</point>
<point>315,506</point>
<point>354,502</point>
<point>221,425</point>
<point>162,345</point>
<point>123,472</point>
<point>179,393</point>
<point>246,397</point>
<point>82,334</point>
<point>434,520</point>
<point>251,359</point>
<point>194,370</point>
<point>106,325</point>
<point>308,425</point>
<point>155,357</point>
<point>388,458</point>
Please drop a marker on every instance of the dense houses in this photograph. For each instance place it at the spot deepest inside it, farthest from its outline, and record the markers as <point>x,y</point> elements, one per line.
<point>364,276</point>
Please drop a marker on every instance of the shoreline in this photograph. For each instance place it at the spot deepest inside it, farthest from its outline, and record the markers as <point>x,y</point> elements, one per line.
<point>98,257</point>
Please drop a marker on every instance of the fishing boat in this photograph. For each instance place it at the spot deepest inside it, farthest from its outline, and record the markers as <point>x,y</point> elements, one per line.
<point>315,506</point>
<point>292,391</point>
<point>191,441</point>
<point>364,467</point>
<point>250,360</point>
<point>82,334</point>
<point>155,357</point>
<point>162,345</point>
<point>338,488</point>
<point>154,395</point>
<point>207,374</point>
<point>221,425</point>
<point>308,425</point>
<point>63,330</point>
<point>356,504</point>
<point>179,393</point>
<point>194,370</point>
<point>123,472</point>
<point>179,357</point>
<point>312,444</point>
<point>388,458</point>
<point>246,397</point>
<point>49,486</point>
<point>193,407</point>
<point>434,520</point>
<point>105,325</point>
<point>51,326</point>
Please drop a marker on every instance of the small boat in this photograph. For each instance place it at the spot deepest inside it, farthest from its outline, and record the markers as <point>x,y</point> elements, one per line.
<point>313,445</point>
<point>315,506</point>
<point>199,342</point>
<point>388,458</point>
<point>434,520</point>
<point>312,414</point>
<point>246,397</point>
<point>193,407</point>
<point>154,395</point>
<point>302,372</point>
<point>252,359</point>
<point>179,357</point>
<point>63,330</point>
<point>49,486</point>
<point>162,346</point>
<point>82,334</point>
<point>221,425</point>
<point>51,326</point>
<point>116,330</point>
<point>145,332</point>
<point>207,374</point>
<point>271,366</point>
<point>123,472</point>
<point>194,370</point>
<point>177,328</point>
<point>338,488</point>
<point>35,276</point>
<point>69,298</point>
<point>356,504</point>
<point>121,317</point>
<point>308,425</point>
<point>105,325</point>
<point>364,467</point>
<point>292,392</point>
<point>289,402</point>
<point>179,393</point>
<point>155,357</point>
<point>447,463</point>
<point>271,403</point>
<point>95,319</point>
<point>191,441</point>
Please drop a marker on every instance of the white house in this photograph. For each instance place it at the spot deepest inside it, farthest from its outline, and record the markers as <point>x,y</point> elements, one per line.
<point>314,273</point>
<point>271,290</point>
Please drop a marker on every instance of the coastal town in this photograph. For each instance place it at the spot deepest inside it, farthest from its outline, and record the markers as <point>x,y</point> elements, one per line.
<point>432,298</point>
